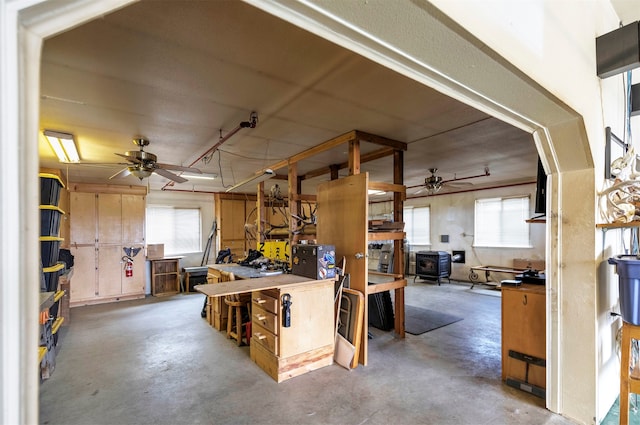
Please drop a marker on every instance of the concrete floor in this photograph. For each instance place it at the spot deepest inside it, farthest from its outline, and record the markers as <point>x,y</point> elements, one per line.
<point>156,361</point>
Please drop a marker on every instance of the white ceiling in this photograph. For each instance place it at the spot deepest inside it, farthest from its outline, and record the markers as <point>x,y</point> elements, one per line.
<point>182,73</point>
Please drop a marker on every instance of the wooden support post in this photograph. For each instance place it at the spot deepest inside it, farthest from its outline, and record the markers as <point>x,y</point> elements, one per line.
<point>354,157</point>
<point>335,169</point>
<point>398,245</point>
<point>294,206</point>
<point>260,213</point>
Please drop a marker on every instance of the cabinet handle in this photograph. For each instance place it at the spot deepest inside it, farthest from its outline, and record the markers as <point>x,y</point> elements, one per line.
<point>260,316</point>
<point>259,335</point>
<point>524,299</point>
<point>259,301</point>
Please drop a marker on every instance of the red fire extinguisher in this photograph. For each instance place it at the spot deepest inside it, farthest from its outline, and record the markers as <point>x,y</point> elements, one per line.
<point>128,266</point>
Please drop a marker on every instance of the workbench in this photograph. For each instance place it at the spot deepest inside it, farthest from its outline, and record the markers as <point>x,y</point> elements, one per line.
<point>307,343</point>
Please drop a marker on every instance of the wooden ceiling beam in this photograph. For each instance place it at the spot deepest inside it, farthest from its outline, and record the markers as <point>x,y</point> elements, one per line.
<point>347,137</point>
<point>371,156</point>
<point>379,140</point>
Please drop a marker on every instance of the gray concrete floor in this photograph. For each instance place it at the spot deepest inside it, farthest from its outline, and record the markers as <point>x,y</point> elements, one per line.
<point>156,361</point>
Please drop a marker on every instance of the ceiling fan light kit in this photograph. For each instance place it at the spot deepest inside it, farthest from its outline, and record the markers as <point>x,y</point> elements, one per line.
<point>143,164</point>
<point>434,183</point>
<point>63,145</point>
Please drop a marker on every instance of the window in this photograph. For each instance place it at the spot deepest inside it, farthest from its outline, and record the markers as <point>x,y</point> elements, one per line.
<point>177,228</point>
<point>417,225</point>
<point>500,222</point>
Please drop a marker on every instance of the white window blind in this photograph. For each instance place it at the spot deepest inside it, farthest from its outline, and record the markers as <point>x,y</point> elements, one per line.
<point>417,225</point>
<point>177,228</point>
<point>500,222</point>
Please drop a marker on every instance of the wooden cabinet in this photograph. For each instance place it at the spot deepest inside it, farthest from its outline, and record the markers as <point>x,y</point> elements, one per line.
<point>232,212</point>
<point>165,276</point>
<point>524,331</point>
<point>103,222</point>
<point>307,343</point>
<point>304,345</point>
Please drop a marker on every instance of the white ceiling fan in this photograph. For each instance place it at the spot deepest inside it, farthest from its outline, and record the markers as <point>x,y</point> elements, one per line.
<point>434,183</point>
<point>142,164</point>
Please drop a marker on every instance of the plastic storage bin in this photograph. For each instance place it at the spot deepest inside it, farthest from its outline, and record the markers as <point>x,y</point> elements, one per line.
<point>51,275</point>
<point>50,217</point>
<point>628,269</point>
<point>49,250</point>
<point>50,186</point>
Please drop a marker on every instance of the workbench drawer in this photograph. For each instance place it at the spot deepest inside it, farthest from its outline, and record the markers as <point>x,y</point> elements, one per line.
<point>264,318</point>
<point>262,336</point>
<point>266,300</point>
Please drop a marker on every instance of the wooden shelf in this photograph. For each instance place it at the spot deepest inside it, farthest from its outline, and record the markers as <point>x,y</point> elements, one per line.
<point>165,276</point>
<point>536,220</point>
<point>617,225</point>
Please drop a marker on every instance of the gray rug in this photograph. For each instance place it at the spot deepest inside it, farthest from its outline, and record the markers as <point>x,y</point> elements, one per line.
<point>420,320</point>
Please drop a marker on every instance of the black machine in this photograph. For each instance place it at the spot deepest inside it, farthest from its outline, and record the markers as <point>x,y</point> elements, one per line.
<point>433,265</point>
<point>314,261</point>
<point>532,276</point>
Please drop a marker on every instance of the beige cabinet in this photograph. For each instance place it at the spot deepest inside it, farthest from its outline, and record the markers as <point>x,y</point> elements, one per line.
<point>524,332</point>
<point>103,223</point>
<point>306,342</point>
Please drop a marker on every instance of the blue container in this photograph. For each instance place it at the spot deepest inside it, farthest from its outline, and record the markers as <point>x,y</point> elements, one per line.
<point>628,269</point>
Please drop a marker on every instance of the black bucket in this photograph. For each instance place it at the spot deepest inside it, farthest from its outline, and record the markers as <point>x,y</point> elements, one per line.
<point>628,269</point>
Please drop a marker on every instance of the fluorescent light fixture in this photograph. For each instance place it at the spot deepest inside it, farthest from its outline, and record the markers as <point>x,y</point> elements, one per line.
<point>375,192</point>
<point>255,179</point>
<point>63,145</point>
<point>199,176</point>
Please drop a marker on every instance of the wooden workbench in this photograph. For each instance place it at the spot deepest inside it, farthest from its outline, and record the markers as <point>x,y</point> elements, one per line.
<point>286,351</point>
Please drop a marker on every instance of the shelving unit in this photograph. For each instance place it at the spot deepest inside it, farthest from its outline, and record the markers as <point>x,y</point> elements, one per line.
<point>165,276</point>
<point>342,214</point>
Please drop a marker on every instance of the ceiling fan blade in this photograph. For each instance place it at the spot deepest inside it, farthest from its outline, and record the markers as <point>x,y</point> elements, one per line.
<point>130,158</point>
<point>122,173</point>
<point>177,168</point>
<point>170,175</point>
<point>459,184</point>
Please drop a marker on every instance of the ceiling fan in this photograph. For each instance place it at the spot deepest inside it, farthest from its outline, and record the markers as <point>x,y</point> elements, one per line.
<point>142,164</point>
<point>434,183</point>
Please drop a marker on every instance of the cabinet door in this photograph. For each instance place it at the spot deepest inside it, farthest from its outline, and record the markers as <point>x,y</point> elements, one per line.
<point>133,215</point>
<point>524,331</point>
<point>231,224</point>
<point>110,270</point>
<point>84,272</point>
<point>109,218</point>
<point>343,222</point>
<point>82,215</point>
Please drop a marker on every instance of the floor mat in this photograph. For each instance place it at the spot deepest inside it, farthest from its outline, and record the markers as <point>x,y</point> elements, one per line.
<point>420,320</point>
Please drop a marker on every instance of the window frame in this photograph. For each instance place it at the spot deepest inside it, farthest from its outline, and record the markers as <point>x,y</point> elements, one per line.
<point>520,221</point>
<point>195,240</point>
<point>409,227</point>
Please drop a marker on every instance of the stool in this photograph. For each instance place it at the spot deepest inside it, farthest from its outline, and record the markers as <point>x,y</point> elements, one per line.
<point>628,382</point>
<point>236,303</point>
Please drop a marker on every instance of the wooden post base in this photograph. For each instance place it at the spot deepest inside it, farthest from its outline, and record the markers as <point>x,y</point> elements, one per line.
<point>628,382</point>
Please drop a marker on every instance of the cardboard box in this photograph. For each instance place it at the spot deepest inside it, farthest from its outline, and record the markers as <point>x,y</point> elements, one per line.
<point>155,251</point>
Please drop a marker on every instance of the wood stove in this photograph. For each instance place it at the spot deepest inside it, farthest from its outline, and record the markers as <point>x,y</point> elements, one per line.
<point>433,265</point>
